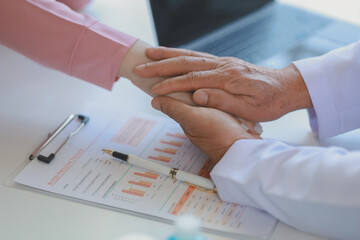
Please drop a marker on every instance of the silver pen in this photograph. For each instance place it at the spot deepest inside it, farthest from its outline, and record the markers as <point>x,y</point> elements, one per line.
<point>188,178</point>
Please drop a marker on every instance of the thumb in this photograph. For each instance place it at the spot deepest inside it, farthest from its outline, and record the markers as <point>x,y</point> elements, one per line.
<point>220,99</point>
<point>175,109</point>
<point>226,102</point>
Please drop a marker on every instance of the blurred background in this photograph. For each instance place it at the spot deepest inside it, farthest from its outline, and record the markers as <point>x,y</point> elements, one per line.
<point>347,10</point>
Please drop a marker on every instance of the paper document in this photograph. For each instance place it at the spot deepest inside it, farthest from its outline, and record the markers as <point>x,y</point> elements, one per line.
<point>81,170</point>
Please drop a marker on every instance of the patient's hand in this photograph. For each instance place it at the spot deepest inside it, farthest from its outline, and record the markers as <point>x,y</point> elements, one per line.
<point>136,56</point>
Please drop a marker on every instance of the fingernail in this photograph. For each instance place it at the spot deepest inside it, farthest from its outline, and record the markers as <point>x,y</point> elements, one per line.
<point>201,97</point>
<point>140,67</point>
<point>156,104</point>
<point>258,128</point>
<point>155,87</point>
<point>244,126</point>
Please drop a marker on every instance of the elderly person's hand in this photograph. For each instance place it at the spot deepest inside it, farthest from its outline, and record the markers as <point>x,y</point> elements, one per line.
<point>211,130</point>
<point>232,85</point>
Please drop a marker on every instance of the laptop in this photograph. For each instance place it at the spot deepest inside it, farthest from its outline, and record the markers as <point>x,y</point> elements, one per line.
<point>263,32</point>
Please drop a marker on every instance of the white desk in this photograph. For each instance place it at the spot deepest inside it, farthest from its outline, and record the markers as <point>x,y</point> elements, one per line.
<point>33,99</point>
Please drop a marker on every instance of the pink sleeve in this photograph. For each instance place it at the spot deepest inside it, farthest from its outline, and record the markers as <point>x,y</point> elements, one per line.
<point>52,34</point>
<point>75,4</point>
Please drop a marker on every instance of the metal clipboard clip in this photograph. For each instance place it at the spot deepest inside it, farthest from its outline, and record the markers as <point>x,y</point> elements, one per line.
<point>36,154</point>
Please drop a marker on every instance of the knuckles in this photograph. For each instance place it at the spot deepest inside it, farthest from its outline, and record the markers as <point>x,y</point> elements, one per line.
<point>235,73</point>
<point>229,59</point>
<point>191,77</point>
<point>184,60</point>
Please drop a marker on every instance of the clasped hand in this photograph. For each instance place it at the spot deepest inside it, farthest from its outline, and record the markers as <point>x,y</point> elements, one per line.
<point>211,130</point>
<point>226,83</point>
<point>228,87</point>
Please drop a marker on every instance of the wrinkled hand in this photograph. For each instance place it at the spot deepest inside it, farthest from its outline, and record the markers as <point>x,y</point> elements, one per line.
<point>211,130</point>
<point>232,85</point>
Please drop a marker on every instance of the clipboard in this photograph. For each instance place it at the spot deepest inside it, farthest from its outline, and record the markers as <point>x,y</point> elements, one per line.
<point>144,136</point>
<point>69,128</point>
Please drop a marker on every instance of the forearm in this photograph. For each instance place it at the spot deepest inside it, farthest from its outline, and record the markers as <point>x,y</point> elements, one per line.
<point>296,94</point>
<point>311,188</point>
<point>75,4</point>
<point>136,56</point>
<point>54,35</point>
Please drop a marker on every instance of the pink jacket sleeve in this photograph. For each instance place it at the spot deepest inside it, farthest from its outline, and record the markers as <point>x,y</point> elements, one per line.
<point>75,4</point>
<point>52,34</point>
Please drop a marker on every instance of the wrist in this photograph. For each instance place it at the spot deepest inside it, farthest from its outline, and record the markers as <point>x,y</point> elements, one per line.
<point>295,89</point>
<point>136,56</point>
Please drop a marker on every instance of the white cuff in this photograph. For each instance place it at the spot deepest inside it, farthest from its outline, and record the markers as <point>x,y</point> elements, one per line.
<point>324,119</point>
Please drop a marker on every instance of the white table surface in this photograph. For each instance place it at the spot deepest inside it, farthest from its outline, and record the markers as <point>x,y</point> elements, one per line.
<point>34,99</point>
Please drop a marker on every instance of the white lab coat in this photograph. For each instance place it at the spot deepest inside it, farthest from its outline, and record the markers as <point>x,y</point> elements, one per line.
<point>314,189</point>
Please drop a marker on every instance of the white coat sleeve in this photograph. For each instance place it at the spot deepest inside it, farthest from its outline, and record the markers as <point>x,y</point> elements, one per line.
<point>333,81</point>
<point>313,189</point>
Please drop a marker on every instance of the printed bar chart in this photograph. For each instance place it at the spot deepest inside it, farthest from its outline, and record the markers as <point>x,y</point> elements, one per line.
<point>172,143</point>
<point>135,192</point>
<point>182,200</point>
<point>176,135</point>
<point>166,150</point>
<point>147,175</point>
<point>160,158</point>
<point>141,183</point>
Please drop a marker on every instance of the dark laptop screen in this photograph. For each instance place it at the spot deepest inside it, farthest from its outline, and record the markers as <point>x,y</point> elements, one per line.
<point>179,21</point>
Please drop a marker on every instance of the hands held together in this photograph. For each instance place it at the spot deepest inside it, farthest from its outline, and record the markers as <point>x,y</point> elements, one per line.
<point>228,88</point>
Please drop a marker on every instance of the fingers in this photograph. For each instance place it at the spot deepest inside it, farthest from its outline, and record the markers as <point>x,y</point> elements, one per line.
<point>189,82</point>
<point>185,97</point>
<point>175,66</point>
<point>222,100</point>
<point>175,109</point>
<point>159,53</point>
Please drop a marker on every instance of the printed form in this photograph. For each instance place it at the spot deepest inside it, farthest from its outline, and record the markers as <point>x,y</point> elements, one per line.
<point>81,170</point>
